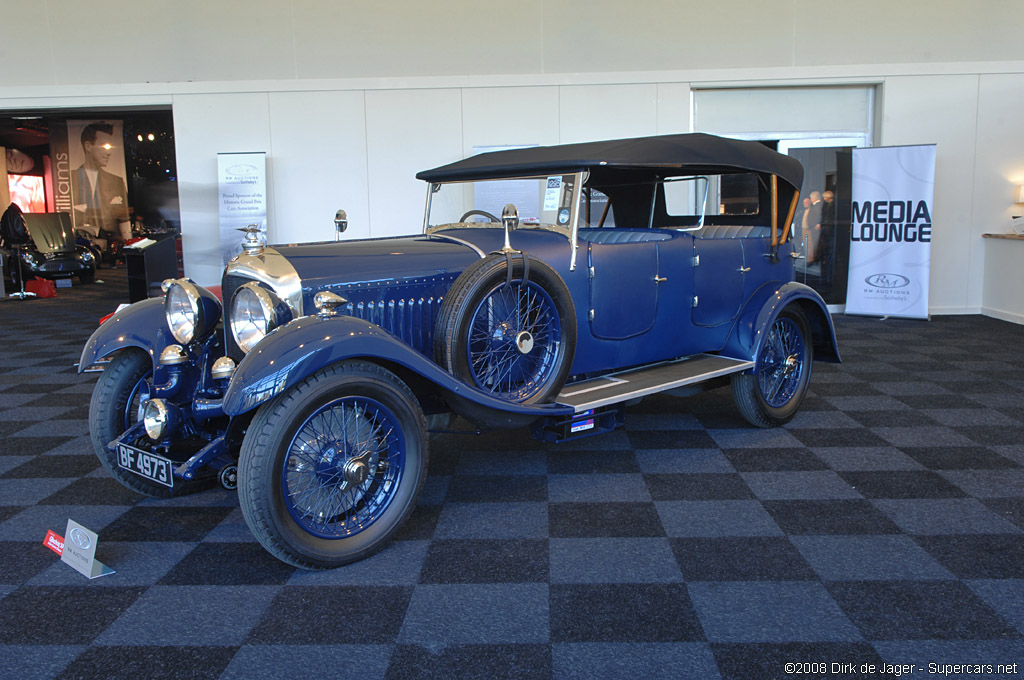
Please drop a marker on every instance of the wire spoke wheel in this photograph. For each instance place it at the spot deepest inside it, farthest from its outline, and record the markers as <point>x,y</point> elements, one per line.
<point>136,400</point>
<point>782,363</point>
<point>772,396</point>
<point>342,467</point>
<point>512,334</point>
<point>513,340</point>
<point>330,469</point>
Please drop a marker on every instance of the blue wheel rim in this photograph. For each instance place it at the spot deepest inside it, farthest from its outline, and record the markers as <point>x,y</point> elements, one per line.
<point>136,398</point>
<point>782,363</point>
<point>510,319</point>
<point>321,492</point>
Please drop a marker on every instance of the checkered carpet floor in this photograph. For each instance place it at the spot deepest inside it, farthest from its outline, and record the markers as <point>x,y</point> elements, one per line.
<point>885,524</point>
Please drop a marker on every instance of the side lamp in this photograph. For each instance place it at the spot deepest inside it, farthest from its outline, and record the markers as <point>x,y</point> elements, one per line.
<point>1017,221</point>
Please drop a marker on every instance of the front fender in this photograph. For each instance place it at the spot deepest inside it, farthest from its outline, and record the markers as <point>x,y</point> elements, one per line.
<point>297,350</point>
<point>141,325</point>
<point>763,308</point>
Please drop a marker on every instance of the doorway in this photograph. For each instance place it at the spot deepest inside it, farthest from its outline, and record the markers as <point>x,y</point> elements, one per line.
<point>821,225</point>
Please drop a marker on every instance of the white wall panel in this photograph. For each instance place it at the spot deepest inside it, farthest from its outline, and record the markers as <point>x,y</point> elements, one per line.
<point>319,142</point>
<point>1004,280</point>
<point>407,131</point>
<point>106,41</point>
<point>783,109</point>
<point>507,116</point>
<point>344,39</point>
<point>611,35</point>
<point>230,40</point>
<point>942,110</point>
<point>673,108</point>
<point>887,32</point>
<point>591,112</point>
<point>998,170</point>
<point>117,42</point>
<point>29,49</point>
<point>205,125</point>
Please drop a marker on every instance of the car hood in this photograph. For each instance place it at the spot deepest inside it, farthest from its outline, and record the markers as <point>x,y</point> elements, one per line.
<point>381,261</point>
<point>50,233</point>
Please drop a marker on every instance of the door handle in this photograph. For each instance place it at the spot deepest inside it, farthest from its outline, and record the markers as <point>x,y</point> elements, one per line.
<point>660,279</point>
<point>744,270</point>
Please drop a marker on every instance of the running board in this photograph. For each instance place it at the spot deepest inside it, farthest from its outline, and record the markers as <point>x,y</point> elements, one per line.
<point>638,382</point>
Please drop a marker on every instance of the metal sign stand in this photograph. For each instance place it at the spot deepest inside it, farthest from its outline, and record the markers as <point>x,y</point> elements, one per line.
<point>21,294</point>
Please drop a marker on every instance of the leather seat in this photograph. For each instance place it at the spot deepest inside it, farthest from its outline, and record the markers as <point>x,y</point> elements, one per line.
<point>731,231</point>
<point>605,236</point>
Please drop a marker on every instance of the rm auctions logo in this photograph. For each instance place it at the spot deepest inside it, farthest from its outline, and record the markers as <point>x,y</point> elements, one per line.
<point>242,169</point>
<point>887,281</point>
<point>80,538</point>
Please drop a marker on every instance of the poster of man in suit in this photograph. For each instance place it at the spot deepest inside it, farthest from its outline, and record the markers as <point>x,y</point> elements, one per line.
<point>100,197</point>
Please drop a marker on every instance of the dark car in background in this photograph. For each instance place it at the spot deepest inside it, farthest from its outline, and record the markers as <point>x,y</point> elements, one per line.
<point>44,246</point>
<point>548,288</point>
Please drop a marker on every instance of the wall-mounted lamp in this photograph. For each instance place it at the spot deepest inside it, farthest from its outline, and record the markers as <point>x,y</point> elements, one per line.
<point>1017,221</point>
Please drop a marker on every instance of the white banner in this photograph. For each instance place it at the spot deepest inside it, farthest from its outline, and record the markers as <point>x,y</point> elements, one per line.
<point>242,184</point>
<point>891,234</point>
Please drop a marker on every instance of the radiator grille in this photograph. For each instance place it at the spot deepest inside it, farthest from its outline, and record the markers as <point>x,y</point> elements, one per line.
<point>228,285</point>
<point>412,320</point>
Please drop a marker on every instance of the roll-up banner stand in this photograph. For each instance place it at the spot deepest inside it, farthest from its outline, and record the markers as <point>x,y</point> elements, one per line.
<point>242,185</point>
<point>891,235</point>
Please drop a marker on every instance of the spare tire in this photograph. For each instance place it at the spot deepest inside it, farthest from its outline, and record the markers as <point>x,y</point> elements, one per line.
<point>512,337</point>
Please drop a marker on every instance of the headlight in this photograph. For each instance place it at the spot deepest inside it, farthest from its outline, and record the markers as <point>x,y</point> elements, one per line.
<point>191,311</point>
<point>253,315</point>
<point>155,418</point>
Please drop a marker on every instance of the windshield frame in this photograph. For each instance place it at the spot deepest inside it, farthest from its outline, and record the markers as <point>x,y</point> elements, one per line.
<point>569,230</point>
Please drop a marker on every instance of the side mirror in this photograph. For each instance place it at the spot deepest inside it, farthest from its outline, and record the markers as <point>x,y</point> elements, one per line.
<point>340,223</point>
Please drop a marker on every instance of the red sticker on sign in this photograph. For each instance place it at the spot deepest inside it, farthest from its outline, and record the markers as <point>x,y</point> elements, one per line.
<point>54,542</point>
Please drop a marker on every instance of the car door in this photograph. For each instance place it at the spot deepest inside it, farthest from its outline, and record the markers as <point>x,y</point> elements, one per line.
<point>623,288</point>
<point>718,276</point>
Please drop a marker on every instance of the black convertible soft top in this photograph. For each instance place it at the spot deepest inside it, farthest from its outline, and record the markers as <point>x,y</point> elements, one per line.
<point>659,156</point>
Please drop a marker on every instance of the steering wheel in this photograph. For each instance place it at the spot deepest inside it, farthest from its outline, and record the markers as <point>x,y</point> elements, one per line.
<point>482,213</point>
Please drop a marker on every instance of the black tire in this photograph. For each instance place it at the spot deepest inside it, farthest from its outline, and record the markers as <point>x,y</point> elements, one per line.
<point>87,277</point>
<point>543,367</point>
<point>772,396</point>
<point>110,413</point>
<point>284,448</point>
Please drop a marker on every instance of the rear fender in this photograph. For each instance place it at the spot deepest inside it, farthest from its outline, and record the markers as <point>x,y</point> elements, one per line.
<point>141,325</point>
<point>764,307</point>
<point>295,351</point>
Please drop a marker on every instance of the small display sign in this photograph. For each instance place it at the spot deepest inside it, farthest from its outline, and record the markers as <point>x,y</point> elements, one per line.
<point>553,193</point>
<point>54,542</point>
<point>79,551</point>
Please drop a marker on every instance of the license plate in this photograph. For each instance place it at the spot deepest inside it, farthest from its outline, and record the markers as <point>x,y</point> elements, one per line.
<point>145,464</point>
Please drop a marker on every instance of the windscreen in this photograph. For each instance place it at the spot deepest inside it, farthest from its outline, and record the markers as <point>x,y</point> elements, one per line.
<point>541,201</point>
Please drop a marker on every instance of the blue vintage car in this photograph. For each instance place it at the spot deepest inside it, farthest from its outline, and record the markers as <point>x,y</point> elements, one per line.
<point>549,288</point>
